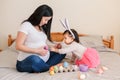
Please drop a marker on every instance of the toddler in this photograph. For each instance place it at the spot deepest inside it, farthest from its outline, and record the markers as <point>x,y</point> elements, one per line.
<point>80,54</point>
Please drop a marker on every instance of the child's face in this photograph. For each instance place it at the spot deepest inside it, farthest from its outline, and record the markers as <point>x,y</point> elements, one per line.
<point>67,38</point>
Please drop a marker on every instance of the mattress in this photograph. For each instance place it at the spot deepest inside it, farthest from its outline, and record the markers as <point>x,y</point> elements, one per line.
<point>109,58</point>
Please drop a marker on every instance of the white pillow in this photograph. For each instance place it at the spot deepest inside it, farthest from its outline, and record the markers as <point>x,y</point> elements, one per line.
<point>92,41</point>
<point>8,57</point>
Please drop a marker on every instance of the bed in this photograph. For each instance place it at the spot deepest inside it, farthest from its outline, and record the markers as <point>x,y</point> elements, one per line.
<point>105,47</point>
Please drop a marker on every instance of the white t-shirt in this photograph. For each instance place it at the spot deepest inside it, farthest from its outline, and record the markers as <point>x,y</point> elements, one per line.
<point>34,39</point>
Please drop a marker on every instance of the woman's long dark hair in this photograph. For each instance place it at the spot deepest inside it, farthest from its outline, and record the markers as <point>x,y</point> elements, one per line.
<point>35,18</point>
<point>75,34</point>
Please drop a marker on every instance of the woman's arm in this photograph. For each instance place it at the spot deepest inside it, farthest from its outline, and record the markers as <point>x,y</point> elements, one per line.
<point>20,45</point>
<point>66,49</point>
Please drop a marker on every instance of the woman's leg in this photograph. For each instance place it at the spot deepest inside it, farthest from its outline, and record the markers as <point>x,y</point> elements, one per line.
<point>55,58</point>
<point>32,64</point>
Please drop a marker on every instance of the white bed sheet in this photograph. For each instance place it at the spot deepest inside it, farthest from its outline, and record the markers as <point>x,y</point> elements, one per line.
<point>108,59</point>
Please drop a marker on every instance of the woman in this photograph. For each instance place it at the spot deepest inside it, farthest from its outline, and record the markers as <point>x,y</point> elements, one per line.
<point>31,42</point>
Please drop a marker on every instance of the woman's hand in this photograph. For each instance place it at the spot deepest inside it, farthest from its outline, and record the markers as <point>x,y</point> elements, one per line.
<point>41,51</point>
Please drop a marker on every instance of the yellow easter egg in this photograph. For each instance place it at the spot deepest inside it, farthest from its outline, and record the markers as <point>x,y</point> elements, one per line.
<point>51,72</point>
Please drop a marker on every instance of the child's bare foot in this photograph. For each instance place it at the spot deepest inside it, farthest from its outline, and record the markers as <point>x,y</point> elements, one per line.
<point>104,68</point>
<point>100,70</point>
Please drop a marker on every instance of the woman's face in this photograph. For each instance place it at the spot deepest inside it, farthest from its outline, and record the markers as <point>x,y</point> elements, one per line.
<point>67,38</point>
<point>44,20</point>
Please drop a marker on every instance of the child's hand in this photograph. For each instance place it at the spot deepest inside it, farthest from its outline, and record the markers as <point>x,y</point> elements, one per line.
<point>54,49</point>
<point>73,58</point>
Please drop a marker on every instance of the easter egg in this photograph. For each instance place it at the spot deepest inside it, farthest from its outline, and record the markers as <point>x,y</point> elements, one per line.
<point>65,64</point>
<point>83,67</point>
<point>51,68</point>
<point>75,67</point>
<point>55,69</point>
<point>51,72</point>
<point>82,76</point>
<point>61,68</point>
<point>46,47</point>
<point>59,46</point>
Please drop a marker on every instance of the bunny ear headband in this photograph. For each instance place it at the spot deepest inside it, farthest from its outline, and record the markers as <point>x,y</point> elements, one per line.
<point>66,26</point>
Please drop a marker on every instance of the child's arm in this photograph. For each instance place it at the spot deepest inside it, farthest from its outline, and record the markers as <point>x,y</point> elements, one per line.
<point>63,50</point>
<point>49,43</point>
<point>57,45</point>
<point>54,49</point>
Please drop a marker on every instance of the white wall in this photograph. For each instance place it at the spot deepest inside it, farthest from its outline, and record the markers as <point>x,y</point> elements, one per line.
<point>86,16</point>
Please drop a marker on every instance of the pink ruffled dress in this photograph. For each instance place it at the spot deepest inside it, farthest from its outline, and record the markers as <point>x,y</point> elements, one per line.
<point>89,58</point>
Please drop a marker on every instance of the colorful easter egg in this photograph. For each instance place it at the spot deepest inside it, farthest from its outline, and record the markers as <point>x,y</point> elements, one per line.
<point>61,68</point>
<point>82,76</point>
<point>83,67</point>
<point>51,68</point>
<point>56,69</point>
<point>51,72</point>
<point>65,64</point>
<point>46,47</point>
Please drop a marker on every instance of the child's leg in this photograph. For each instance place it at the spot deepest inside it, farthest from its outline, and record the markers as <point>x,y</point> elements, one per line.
<point>89,58</point>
